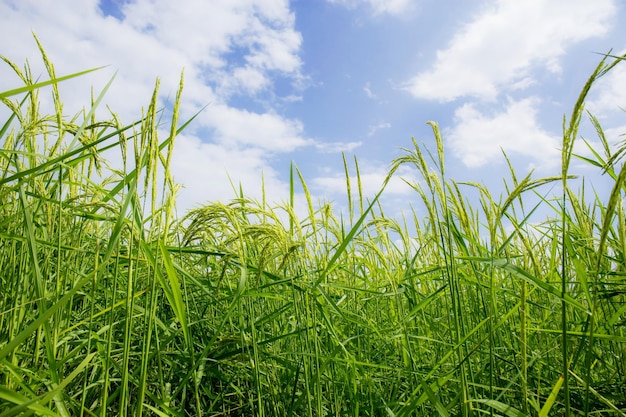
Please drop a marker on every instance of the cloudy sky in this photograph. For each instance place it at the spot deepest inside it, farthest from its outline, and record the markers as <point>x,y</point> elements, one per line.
<point>302,81</point>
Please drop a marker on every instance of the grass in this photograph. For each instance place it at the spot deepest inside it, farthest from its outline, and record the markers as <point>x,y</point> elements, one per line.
<point>111,305</point>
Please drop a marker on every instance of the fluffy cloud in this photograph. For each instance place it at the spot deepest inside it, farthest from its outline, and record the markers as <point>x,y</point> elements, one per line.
<point>609,93</point>
<point>335,147</point>
<point>500,46</point>
<point>226,47</point>
<point>375,128</point>
<point>237,128</point>
<point>208,173</point>
<point>478,138</point>
<point>368,90</point>
<point>372,175</point>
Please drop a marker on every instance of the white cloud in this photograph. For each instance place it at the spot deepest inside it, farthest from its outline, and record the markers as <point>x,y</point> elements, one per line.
<point>478,138</point>
<point>206,30</point>
<point>368,90</point>
<point>207,169</point>
<point>372,178</point>
<point>234,128</point>
<point>378,7</point>
<point>225,46</point>
<point>505,41</point>
<point>243,80</point>
<point>375,128</point>
<point>336,147</point>
<point>616,135</point>
<point>609,93</point>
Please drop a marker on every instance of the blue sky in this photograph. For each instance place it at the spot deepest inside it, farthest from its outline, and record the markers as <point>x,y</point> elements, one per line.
<point>304,80</point>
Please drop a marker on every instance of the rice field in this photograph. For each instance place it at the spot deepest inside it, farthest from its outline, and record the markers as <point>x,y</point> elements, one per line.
<point>110,304</point>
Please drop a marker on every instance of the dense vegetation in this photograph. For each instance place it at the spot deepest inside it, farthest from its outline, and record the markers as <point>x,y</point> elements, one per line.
<point>111,305</point>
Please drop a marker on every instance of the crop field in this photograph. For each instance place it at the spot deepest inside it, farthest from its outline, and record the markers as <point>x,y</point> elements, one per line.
<point>110,304</point>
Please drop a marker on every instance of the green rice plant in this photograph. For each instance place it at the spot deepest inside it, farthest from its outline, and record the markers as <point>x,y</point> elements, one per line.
<point>64,236</point>
<point>468,305</point>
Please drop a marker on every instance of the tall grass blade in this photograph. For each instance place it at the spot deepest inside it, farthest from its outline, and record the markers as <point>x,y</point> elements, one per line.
<point>547,406</point>
<point>32,87</point>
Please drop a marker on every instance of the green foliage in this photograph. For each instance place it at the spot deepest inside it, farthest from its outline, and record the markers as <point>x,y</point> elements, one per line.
<point>110,305</point>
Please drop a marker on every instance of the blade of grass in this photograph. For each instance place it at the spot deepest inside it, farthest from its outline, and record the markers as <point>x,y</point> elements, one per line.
<point>29,88</point>
<point>547,406</point>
